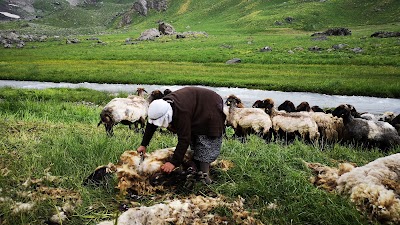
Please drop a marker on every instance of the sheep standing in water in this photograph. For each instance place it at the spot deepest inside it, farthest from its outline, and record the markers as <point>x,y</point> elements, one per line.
<point>127,111</point>
<point>366,132</point>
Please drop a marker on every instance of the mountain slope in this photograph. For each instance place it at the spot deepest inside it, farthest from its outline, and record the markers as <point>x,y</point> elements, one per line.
<point>210,15</point>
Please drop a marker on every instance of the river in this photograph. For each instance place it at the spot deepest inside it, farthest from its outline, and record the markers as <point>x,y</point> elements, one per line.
<point>372,105</point>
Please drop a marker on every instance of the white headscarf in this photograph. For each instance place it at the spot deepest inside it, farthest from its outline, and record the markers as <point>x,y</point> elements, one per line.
<point>160,113</point>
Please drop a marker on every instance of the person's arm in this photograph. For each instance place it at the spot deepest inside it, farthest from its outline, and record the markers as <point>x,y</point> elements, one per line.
<point>148,135</point>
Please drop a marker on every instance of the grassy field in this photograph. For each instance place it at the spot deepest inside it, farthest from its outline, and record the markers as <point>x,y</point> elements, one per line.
<point>374,72</point>
<point>54,132</point>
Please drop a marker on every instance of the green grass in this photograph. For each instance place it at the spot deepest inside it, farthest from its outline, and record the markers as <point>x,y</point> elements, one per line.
<point>55,131</point>
<point>194,61</point>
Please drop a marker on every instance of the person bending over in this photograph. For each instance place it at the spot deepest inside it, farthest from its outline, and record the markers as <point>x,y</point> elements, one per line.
<point>196,115</point>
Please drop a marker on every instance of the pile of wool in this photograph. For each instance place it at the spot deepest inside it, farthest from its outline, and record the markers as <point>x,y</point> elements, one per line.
<point>374,187</point>
<point>136,174</point>
<point>191,210</point>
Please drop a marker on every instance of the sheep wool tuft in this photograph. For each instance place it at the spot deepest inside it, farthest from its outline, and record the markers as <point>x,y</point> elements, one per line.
<point>191,210</point>
<point>374,187</point>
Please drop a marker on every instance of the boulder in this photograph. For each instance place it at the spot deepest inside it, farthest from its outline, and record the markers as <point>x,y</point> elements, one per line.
<point>149,34</point>
<point>234,61</point>
<point>385,34</point>
<point>166,28</point>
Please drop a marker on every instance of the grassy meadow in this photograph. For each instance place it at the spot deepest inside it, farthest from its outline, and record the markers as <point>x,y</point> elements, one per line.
<point>54,132</point>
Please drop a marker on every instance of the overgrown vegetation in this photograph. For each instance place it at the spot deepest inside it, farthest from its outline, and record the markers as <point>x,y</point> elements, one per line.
<point>55,131</point>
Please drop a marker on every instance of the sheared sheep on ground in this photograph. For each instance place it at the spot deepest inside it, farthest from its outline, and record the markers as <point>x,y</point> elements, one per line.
<point>374,187</point>
<point>366,132</point>
<point>247,120</point>
<point>142,175</point>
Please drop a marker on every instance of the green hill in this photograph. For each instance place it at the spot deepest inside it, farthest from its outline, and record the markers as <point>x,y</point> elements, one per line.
<point>247,16</point>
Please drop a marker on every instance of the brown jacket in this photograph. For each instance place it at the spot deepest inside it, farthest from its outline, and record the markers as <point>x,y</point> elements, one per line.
<point>196,111</point>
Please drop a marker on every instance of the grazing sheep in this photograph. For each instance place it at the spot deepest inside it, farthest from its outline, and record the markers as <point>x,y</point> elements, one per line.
<point>290,125</point>
<point>329,126</point>
<point>190,210</point>
<point>287,106</point>
<point>303,106</point>
<point>247,120</point>
<point>127,111</point>
<point>395,122</point>
<point>374,187</point>
<point>366,132</point>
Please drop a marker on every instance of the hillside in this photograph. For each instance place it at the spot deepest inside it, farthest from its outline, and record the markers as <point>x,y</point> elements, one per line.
<point>212,16</point>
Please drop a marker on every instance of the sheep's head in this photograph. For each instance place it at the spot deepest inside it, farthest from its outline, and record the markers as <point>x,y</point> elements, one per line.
<point>342,111</point>
<point>140,91</point>
<point>167,91</point>
<point>154,95</point>
<point>232,100</point>
<point>304,106</point>
<point>269,105</point>
<point>258,104</point>
<point>288,106</point>
<point>353,111</point>
<point>316,108</point>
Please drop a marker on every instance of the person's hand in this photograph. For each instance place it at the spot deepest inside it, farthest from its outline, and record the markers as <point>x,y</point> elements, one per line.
<point>141,149</point>
<point>168,167</point>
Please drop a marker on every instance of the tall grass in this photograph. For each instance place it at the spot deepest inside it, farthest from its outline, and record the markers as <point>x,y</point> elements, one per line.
<point>60,135</point>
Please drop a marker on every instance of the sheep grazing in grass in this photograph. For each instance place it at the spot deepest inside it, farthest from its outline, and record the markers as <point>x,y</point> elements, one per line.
<point>331,128</point>
<point>289,125</point>
<point>190,210</point>
<point>374,187</point>
<point>127,111</point>
<point>287,106</point>
<point>247,120</point>
<point>366,132</point>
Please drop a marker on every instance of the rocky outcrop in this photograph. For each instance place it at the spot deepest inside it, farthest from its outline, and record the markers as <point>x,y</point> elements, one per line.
<point>149,34</point>
<point>143,6</point>
<point>166,28</point>
<point>334,32</point>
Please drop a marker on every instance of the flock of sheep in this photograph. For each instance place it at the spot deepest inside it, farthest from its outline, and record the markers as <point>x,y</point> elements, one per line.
<point>285,122</point>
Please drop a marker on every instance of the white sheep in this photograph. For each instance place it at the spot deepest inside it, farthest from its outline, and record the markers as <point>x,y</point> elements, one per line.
<point>246,120</point>
<point>374,187</point>
<point>329,126</point>
<point>290,124</point>
<point>127,111</point>
<point>367,132</point>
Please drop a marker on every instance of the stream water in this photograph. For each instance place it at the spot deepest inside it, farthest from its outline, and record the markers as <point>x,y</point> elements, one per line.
<point>248,96</point>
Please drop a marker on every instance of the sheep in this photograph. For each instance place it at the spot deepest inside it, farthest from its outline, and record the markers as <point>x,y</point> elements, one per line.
<point>366,132</point>
<point>190,210</point>
<point>287,106</point>
<point>167,91</point>
<point>141,173</point>
<point>245,120</point>
<point>395,122</point>
<point>330,127</point>
<point>316,108</point>
<point>374,187</point>
<point>291,124</point>
<point>127,111</point>
<point>303,106</point>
